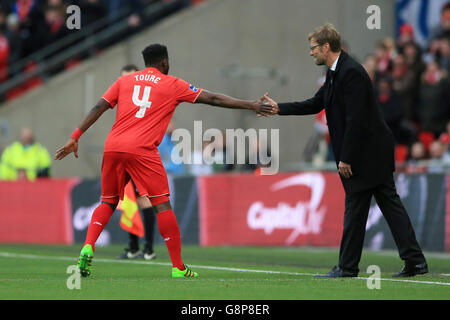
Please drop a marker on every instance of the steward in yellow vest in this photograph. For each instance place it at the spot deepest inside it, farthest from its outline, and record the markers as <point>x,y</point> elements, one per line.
<point>26,159</point>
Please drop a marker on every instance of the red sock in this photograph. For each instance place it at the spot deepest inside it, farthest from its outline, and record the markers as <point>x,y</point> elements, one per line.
<point>99,219</point>
<point>168,229</point>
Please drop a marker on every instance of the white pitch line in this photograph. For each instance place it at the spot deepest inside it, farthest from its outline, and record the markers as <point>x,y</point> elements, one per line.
<point>31,256</point>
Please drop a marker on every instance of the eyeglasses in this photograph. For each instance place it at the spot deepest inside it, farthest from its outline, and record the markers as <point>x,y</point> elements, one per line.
<point>314,46</point>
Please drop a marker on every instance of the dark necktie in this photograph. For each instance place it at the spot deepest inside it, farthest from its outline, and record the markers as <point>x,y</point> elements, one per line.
<point>331,74</point>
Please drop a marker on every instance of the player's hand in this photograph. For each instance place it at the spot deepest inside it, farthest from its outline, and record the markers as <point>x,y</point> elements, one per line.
<point>270,104</point>
<point>71,146</point>
<point>345,169</point>
<point>262,109</point>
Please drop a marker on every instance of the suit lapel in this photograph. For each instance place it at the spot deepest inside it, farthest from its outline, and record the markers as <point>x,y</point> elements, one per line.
<point>331,84</point>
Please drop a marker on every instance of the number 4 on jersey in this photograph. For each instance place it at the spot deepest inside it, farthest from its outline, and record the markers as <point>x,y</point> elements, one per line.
<point>143,103</point>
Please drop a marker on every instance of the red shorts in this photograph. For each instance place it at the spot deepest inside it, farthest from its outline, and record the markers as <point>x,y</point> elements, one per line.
<point>147,172</point>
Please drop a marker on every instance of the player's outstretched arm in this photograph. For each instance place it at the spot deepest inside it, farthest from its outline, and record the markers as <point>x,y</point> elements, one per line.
<point>91,117</point>
<point>221,100</point>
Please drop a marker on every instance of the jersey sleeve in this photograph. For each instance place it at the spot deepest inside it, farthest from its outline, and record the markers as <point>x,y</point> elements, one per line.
<point>112,95</point>
<point>186,92</point>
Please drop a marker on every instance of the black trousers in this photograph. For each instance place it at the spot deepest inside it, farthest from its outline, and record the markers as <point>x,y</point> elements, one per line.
<point>149,225</point>
<point>357,207</point>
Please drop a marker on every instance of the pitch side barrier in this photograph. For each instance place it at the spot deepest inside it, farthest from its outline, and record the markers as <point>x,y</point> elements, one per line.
<point>286,209</point>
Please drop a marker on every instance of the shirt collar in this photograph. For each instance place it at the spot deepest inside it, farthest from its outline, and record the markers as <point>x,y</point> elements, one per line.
<point>333,67</point>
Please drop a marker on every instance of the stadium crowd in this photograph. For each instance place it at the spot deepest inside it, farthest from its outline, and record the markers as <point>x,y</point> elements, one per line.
<point>27,26</point>
<point>412,84</point>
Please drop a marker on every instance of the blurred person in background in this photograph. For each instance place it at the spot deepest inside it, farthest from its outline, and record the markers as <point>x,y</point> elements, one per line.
<point>223,148</point>
<point>31,24</point>
<point>443,29</point>
<point>13,34</point>
<point>25,159</point>
<point>199,166</point>
<point>165,151</point>
<point>432,113</point>
<point>135,8</point>
<point>406,36</point>
<point>258,153</point>
<point>438,157</point>
<point>445,136</point>
<point>443,54</point>
<point>383,58</point>
<point>55,18</point>
<point>417,158</point>
<point>393,111</point>
<point>3,14</point>
<point>370,65</point>
<point>92,11</point>
<point>145,206</point>
<point>404,84</point>
<point>415,68</point>
<point>4,57</point>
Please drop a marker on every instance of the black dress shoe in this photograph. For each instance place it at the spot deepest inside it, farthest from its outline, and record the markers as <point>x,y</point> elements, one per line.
<point>412,270</point>
<point>337,272</point>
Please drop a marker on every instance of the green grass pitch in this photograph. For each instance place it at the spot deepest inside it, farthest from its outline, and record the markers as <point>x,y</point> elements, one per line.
<point>225,273</point>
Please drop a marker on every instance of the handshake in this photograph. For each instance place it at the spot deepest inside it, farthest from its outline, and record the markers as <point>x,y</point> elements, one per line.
<point>265,106</point>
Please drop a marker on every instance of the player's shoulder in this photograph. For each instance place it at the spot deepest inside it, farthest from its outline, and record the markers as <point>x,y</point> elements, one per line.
<point>175,81</point>
<point>171,78</point>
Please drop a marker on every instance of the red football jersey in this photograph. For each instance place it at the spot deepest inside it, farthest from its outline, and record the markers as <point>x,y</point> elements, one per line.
<point>145,102</point>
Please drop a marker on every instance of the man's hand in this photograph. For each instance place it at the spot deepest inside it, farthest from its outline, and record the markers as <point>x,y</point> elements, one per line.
<point>267,101</point>
<point>71,146</point>
<point>261,108</point>
<point>345,170</point>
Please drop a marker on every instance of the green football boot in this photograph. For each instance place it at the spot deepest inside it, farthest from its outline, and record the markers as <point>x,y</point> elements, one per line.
<point>186,273</point>
<point>85,260</point>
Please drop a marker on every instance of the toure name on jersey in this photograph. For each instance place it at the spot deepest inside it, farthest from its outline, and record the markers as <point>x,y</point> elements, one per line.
<point>147,77</point>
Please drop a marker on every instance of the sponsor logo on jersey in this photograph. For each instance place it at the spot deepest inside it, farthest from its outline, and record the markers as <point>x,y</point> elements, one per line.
<point>193,88</point>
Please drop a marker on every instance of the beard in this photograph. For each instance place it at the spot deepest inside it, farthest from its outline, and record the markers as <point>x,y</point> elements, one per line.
<point>319,61</point>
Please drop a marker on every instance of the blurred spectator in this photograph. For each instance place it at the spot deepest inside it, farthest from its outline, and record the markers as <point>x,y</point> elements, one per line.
<point>198,164</point>
<point>406,36</point>
<point>417,157</point>
<point>406,85</point>
<point>25,159</point>
<point>165,151</point>
<point>370,65</point>
<point>259,154</point>
<point>318,149</point>
<point>217,158</point>
<point>226,149</point>
<point>383,58</point>
<point>31,24</point>
<point>13,34</point>
<point>431,111</point>
<point>443,55</point>
<point>445,136</point>
<point>393,111</point>
<point>55,18</point>
<point>133,7</point>
<point>3,15</point>
<point>4,57</point>
<point>92,11</point>
<point>438,157</point>
<point>443,30</point>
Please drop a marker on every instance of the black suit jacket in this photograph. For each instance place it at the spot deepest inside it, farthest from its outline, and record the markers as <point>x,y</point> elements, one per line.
<point>359,134</point>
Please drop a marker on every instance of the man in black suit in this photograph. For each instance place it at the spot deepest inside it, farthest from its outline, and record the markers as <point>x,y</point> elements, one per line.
<point>363,147</point>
